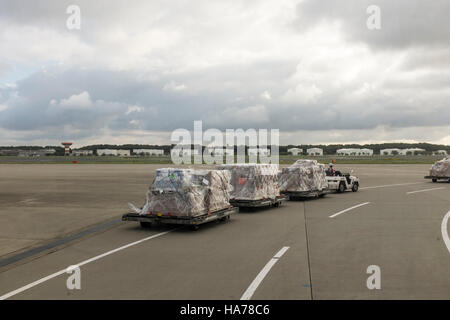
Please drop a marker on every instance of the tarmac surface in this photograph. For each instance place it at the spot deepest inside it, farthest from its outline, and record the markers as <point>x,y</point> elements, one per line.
<point>312,249</point>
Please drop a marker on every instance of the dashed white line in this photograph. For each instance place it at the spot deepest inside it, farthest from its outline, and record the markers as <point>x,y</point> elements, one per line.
<point>54,275</point>
<point>348,209</point>
<point>425,190</point>
<point>262,274</point>
<point>444,230</point>
<point>391,185</point>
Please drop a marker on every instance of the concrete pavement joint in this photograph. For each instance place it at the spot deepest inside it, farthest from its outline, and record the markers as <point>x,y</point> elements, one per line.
<point>307,253</point>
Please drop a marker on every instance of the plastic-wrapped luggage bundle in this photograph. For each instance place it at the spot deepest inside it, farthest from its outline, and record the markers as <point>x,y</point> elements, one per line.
<point>188,192</point>
<point>441,168</point>
<point>253,181</point>
<point>302,176</point>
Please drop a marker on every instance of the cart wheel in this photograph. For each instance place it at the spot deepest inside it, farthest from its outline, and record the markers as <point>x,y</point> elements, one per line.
<point>195,227</point>
<point>145,224</point>
<point>355,187</point>
<point>434,180</point>
<point>341,188</point>
<point>321,195</point>
<point>276,204</point>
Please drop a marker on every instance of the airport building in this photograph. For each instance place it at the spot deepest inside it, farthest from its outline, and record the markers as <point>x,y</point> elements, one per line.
<point>258,151</point>
<point>218,151</point>
<point>183,152</point>
<point>402,152</point>
<point>354,152</point>
<point>9,152</point>
<point>412,151</point>
<point>149,152</point>
<point>390,152</point>
<point>80,153</point>
<point>106,152</point>
<point>295,151</point>
<point>36,153</point>
<point>123,153</point>
<point>440,153</point>
<point>314,152</point>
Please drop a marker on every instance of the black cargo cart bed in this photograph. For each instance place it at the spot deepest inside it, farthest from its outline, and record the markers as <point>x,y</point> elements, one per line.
<point>258,203</point>
<point>435,179</point>
<point>147,220</point>
<point>305,194</point>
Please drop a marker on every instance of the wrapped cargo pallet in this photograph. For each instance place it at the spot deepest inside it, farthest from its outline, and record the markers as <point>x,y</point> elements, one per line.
<point>253,181</point>
<point>187,192</point>
<point>441,169</point>
<point>303,176</point>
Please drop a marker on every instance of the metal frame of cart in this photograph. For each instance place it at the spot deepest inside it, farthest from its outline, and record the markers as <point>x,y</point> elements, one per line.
<point>147,220</point>
<point>435,179</point>
<point>305,194</point>
<point>257,203</point>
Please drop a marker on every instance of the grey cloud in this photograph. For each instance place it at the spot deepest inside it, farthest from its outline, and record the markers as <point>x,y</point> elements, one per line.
<point>113,92</point>
<point>205,75</point>
<point>405,23</point>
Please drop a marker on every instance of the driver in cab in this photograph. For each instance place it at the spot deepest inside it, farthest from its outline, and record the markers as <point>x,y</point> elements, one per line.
<point>330,171</point>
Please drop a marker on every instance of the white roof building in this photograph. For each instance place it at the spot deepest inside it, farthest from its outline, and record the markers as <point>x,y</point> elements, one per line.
<point>256,151</point>
<point>82,152</point>
<point>295,151</point>
<point>218,151</point>
<point>106,152</point>
<point>123,153</point>
<point>314,152</point>
<point>367,152</point>
<point>148,152</point>
<point>354,152</point>
<point>411,151</point>
<point>183,152</point>
<point>440,152</point>
<point>390,152</point>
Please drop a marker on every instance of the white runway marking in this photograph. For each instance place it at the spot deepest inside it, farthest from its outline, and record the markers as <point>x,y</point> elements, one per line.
<point>54,275</point>
<point>348,209</point>
<point>424,190</point>
<point>391,185</point>
<point>262,274</point>
<point>444,230</point>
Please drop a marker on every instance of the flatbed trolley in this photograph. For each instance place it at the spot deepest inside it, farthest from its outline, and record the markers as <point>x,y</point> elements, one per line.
<point>148,220</point>
<point>435,179</point>
<point>258,203</point>
<point>292,195</point>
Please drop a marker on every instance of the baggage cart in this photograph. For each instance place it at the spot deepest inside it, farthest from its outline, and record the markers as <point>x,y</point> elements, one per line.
<point>147,220</point>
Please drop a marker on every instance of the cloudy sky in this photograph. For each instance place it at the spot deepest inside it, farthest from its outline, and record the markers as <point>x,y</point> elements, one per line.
<point>137,70</point>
